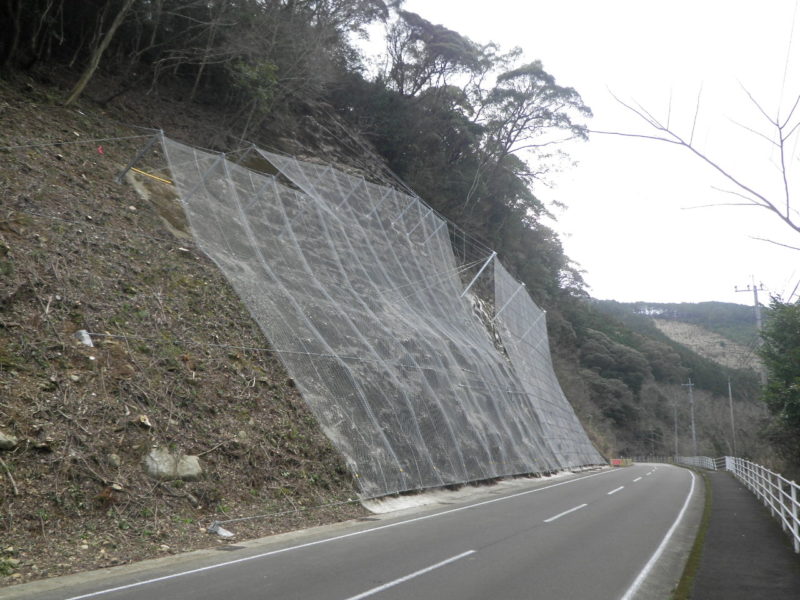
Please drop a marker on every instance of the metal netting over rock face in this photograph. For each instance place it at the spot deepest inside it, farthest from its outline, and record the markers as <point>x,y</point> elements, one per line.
<point>523,330</point>
<point>358,291</point>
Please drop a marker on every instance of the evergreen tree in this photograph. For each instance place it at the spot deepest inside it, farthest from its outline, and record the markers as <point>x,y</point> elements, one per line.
<point>781,355</point>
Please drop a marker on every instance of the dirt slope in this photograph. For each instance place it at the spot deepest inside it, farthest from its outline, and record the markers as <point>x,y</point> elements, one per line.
<point>177,364</point>
<point>709,345</point>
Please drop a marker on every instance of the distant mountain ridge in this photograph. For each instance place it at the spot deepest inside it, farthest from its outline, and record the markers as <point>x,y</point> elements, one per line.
<point>720,331</point>
<point>733,321</point>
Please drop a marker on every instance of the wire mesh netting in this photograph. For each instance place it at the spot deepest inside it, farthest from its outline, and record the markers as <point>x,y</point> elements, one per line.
<point>358,290</point>
<point>523,330</point>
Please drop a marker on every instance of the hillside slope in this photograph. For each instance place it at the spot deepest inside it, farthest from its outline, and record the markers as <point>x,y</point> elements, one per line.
<point>177,364</point>
<point>709,344</point>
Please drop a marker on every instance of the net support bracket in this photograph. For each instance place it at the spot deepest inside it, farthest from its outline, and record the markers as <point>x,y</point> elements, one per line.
<point>156,137</point>
<point>535,322</point>
<point>202,182</point>
<point>349,194</point>
<point>434,232</point>
<point>414,202</point>
<point>421,220</point>
<point>385,195</point>
<point>510,298</point>
<point>474,279</point>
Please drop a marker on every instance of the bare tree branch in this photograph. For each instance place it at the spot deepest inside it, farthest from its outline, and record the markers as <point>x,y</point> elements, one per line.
<point>717,204</point>
<point>757,105</point>
<point>774,242</point>
<point>696,112</point>
<point>793,129</point>
<point>669,108</point>
<point>754,132</point>
<point>738,194</point>
<point>791,112</point>
<point>753,197</point>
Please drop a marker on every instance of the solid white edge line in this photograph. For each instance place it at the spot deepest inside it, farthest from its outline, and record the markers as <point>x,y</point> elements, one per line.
<point>327,540</point>
<point>566,512</point>
<point>410,576</point>
<point>622,487</point>
<point>637,583</point>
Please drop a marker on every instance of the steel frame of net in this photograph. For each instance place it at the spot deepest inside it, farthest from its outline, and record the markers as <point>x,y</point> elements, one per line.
<point>358,286</point>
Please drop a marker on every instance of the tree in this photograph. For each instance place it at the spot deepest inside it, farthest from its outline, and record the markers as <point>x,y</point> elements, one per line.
<point>99,50</point>
<point>527,112</point>
<point>780,136</point>
<point>781,355</point>
<point>423,55</point>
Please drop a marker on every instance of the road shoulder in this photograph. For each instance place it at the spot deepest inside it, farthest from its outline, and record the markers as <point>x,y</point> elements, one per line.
<point>666,574</point>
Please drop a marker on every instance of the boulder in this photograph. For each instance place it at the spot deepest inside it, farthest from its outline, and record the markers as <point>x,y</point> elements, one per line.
<point>164,465</point>
<point>7,441</point>
<point>188,468</point>
<point>161,464</point>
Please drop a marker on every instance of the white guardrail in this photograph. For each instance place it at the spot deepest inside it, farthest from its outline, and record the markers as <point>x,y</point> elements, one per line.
<point>778,494</point>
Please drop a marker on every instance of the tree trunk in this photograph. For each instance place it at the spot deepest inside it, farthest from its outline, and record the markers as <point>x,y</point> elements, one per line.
<point>94,61</point>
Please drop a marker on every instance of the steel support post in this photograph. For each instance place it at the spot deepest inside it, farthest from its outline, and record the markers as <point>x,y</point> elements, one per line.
<point>474,279</point>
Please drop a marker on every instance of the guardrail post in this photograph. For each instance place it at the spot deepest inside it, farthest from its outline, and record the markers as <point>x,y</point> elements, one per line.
<point>773,485</point>
<point>795,519</point>
<point>785,518</point>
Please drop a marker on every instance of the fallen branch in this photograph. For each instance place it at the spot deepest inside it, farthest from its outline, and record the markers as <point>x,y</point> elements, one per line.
<point>10,477</point>
<point>222,443</point>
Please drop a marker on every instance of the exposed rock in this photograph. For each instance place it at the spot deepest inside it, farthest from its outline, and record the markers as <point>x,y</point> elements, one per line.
<point>162,464</point>
<point>7,441</point>
<point>114,460</point>
<point>84,338</point>
<point>143,421</point>
<point>189,468</point>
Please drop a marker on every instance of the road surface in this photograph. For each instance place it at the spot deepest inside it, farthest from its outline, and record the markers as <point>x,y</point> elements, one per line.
<point>621,533</point>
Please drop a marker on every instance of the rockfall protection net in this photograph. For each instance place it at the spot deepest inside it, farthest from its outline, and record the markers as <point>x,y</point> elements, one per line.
<point>357,289</point>
<point>523,331</point>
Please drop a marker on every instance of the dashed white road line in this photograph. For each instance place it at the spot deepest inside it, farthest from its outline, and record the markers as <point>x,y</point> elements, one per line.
<point>328,540</point>
<point>637,583</point>
<point>616,490</point>
<point>410,576</point>
<point>637,479</point>
<point>566,512</point>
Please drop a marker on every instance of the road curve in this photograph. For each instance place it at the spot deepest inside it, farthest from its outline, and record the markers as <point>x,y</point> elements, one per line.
<point>620,533</point>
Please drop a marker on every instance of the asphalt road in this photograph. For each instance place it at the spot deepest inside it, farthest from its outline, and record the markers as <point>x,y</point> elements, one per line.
<point>620,533</point>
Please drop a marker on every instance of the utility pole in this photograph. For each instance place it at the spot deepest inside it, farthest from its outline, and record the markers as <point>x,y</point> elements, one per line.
<point>675,416</point>
<point>755,289</point>
<point>690,385</point>
<point>733,425</point>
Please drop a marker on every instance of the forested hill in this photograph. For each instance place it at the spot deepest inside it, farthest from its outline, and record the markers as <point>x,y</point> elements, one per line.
<point>734,321</point>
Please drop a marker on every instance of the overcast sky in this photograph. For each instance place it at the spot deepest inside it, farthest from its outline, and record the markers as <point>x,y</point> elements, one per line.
<point>627,223</point>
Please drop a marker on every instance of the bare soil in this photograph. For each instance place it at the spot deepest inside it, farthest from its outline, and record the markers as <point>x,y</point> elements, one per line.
<point>709,344</point>
<point>177,360</point>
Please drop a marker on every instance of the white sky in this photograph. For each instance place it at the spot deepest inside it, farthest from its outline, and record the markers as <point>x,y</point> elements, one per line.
<point>625,223</point>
